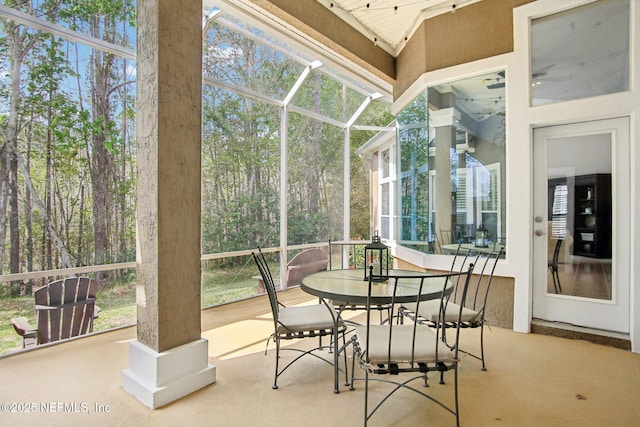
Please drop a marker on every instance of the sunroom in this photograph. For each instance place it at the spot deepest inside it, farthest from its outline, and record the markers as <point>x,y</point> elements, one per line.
<point>495,168</point>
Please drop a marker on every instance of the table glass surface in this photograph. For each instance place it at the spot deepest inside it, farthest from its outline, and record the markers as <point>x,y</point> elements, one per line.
<point>350,286</point>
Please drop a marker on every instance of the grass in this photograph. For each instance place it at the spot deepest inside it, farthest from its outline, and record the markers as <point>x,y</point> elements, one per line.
<point>117,302</point>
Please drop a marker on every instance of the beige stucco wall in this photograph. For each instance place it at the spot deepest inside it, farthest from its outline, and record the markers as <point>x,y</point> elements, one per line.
<point>477,31</point>
<point>473,32</point>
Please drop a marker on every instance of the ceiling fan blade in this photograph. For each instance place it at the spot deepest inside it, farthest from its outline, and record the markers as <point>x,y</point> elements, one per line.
<point>496,85</point>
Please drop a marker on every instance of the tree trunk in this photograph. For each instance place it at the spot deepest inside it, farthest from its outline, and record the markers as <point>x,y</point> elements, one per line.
<point>81,256</point>
<point>4,169</point>
<point>9,174</point>
<point>100,167</point>
<point>100,162</point>
<point>123,171</point>
<point>28,219</point>
<point>64,252</point>
<point>48,249</point>
<point>313,149</point>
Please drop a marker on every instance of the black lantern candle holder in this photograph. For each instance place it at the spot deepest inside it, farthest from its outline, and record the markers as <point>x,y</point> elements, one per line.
<point>376,255</point>
<point>482,237</point>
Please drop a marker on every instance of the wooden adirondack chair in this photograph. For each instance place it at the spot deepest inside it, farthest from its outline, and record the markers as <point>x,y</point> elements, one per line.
<point>65,308</point>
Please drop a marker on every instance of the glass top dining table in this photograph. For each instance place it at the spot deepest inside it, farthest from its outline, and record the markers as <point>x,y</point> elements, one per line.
<point>350,287</point>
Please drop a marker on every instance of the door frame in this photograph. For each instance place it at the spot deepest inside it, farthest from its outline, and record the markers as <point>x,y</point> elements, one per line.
<point>613,315</point>
<point>523,118</point>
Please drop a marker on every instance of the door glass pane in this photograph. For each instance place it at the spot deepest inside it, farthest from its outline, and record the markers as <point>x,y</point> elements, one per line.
<point>579,216</point>
<point>580,53</point>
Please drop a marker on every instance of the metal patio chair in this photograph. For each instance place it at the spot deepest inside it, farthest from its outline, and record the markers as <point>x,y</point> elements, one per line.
<point>294,323</point>
<point>400,353</point>
<point>472,303</point>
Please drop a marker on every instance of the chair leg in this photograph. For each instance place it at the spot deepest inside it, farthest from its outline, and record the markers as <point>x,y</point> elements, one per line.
<point>366,396</point>
<point>275,379</point>
<point>29,340</point>
<point>353,368</point>
<point>346,368</point>
<point>455,391</point>
<point>330,343</point>
<point>482,345</point>
<point>556,280</point>
<point>442,370</point>
<point>557,277</point>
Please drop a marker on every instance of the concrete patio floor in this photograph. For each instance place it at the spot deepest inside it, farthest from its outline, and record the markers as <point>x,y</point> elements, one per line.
<point>532,380</point>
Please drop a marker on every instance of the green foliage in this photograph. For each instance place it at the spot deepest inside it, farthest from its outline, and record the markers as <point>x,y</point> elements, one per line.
<point>74,102</point>
<point>117,10</point>
<point>308,227</point>
<point>243,222</point>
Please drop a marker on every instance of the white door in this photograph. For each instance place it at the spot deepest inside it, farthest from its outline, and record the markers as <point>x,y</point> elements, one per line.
<point>582,209</point>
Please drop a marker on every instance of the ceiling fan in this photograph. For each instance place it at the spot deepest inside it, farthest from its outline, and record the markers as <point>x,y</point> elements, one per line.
<point>499,82</point>
<point>541,72</point>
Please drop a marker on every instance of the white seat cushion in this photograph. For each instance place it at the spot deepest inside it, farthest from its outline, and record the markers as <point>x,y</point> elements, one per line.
<point>402,338</point>
<point>305,318</point>
<point>429,310</point>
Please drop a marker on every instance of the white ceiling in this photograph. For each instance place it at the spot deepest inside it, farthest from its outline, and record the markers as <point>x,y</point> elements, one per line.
<point>388,23</point>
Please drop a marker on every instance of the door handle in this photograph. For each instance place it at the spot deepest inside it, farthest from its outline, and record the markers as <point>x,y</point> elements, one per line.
<point>539,233</point>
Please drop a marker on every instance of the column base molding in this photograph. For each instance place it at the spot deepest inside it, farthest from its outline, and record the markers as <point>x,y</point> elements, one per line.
<point>157,379</point>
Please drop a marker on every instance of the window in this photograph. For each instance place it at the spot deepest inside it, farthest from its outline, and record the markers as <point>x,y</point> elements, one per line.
<point>451,162</point>
<point>488,191</point>
<point>580,53</point>
<point>387,191</point>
